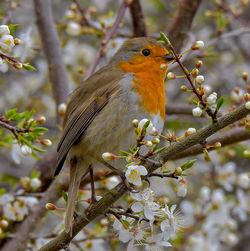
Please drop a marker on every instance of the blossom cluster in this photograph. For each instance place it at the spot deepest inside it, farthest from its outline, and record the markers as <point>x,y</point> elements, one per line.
<point>142,231</point>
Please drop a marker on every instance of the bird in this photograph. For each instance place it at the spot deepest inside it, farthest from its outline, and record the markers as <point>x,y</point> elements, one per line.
<point>99,112</point>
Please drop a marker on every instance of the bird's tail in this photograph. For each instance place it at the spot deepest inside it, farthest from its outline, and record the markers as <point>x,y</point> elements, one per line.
<point>72,196</point>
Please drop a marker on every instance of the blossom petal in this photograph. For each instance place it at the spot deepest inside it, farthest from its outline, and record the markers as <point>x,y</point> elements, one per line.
<point>137,207</point>
<point>142,170</point>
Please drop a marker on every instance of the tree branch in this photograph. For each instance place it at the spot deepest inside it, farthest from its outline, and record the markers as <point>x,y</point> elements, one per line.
<point>107,38</point>
<point>52,50</point>
<point>139,26</point>
<point>182,22</point>
<point>233,136</point>
<point>103,205</point>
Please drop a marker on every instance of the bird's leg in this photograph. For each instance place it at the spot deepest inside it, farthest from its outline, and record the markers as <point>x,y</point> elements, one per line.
<point>92,182</point>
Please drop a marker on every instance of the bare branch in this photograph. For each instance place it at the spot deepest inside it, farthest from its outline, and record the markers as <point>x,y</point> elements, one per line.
<point>107,38</point>
<point>231,137</point>
<point>182,22</point>
<point>52,50</point>
<point>139,26</point>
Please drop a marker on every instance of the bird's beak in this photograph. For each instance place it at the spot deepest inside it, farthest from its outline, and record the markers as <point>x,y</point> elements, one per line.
<point>169,57</point>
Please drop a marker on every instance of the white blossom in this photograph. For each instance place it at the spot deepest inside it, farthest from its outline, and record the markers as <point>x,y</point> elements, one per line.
<point>4,30</point>
<point>150,129</point>
<point>73,28</point>
<point>197,112</point>
<point>197,45</point>
<point>200,79</point>
<point>134,172</point>
<point>6,43</point>
<point>26,150</point>
<point>35,183</point>
<point>211,99</point>
<point>247,105</point>
<point>243,180</point>
<point>155,243</point>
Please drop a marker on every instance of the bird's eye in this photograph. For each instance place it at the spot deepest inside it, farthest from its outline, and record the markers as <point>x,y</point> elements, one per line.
<point>146,52</point>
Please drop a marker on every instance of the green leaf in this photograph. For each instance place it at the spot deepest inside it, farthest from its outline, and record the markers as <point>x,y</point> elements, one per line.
<point>124,153</point>
<point>39,130</point>
<point>65,196</point>
<point>188,164</point>
<point>164,38</point>
<point>29,67</point>
<point>10,113</point>
<point>160,149</point>
<point>12,27</point>
<point>2,191</point>
<point>160,42</point>
<point>8,179</point>
<point>145,126</point>
<point>220,103</point>
<point>35,174</point>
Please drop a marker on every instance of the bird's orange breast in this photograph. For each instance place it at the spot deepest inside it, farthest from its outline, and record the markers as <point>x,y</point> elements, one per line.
<point>148,82</point>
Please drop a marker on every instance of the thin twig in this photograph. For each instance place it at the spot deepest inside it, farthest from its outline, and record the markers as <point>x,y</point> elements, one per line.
<point>199,96</point>
<point>52,50</point>
<point>107,38</point>
<point>164,175</point>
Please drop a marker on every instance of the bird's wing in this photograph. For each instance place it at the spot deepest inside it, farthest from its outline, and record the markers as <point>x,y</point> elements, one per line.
<point>79,120</point>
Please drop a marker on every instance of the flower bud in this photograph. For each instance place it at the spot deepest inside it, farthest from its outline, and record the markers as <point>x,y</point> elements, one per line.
<point>247,97</point>
<point>244,75</point>
<point>178,171</point>
<point>4,223</point>
<point>247,153</point>
<point>183,88</point>
<point>217,145</point>
<point>35,183</point>
<point>200,79</point>
<point>25,182</point>
<point>135,123</point>
<point>211,99</point>
<point>207,89</point>
<point>247,105</point>
<point>171,75</point>
<point>154,131</point>
<point>198,64</point>
<point>108,156</point>
<point>50,206</point>
<point>197,45</point>
<point>26,150</point>
<point>18,65</point>
<point>190,131</point>
<point>41,119</point>
<point>62,109</point>
<point>163,67</point>
<point>156,141</point>
<point>149,143</point>
<point>197,112</point>
<point>195,72</point>
<point>17,41</point>
<point>46,142</point>
<point>73,28</point>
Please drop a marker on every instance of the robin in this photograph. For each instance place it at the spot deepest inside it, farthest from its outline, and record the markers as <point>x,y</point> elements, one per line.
<point>99,113</point>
